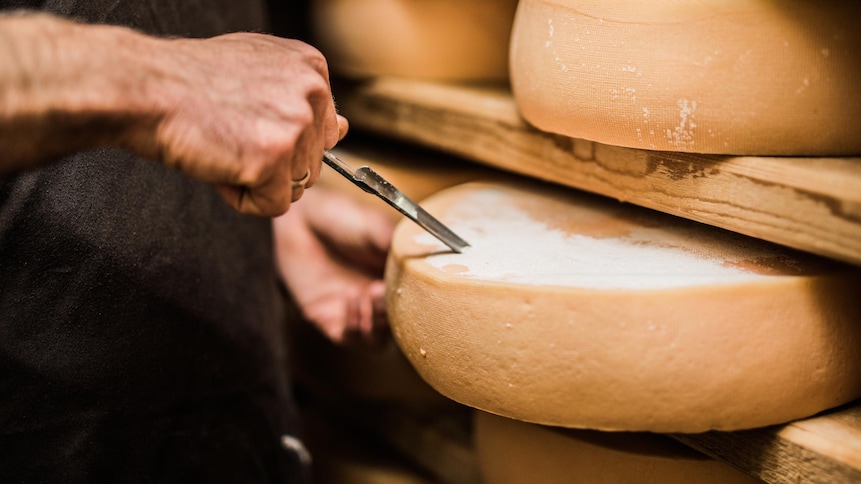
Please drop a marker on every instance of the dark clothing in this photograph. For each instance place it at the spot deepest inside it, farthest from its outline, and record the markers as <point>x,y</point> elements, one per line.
<point>140,316</point>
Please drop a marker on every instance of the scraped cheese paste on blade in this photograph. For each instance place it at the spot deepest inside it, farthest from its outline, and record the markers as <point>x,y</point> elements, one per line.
<point>514,452</point>
<point>747,77</point>
<point>572,310</point>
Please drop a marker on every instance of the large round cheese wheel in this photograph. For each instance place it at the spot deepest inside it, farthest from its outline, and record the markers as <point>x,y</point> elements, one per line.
<point>576,311</point>
<point>751,77</point>
<point>514,452</point>
<point>430,39</point>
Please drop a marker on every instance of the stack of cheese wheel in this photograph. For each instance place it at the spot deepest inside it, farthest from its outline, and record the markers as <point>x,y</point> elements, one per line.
<point>749,77</point>
<point>514,452</point>
<point>576,311</point>
<point>428,39</point>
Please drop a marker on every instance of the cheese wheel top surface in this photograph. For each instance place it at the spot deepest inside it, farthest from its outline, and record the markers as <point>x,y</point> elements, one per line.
<point>576,311</point>
<point>542,241</point>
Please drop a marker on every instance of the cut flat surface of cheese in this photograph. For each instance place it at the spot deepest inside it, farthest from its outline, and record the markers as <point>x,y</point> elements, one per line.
<point>514,452</point>
<point>748,77</point>
<point>429,39</point>
<point>576,311</point>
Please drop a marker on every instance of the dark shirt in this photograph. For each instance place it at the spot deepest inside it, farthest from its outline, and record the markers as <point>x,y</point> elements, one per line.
<point>140,316</point>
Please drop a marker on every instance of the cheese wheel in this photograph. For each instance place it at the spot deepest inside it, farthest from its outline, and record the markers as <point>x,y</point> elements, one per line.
<point>748,77</point>
<point>575,311</point>
<point>429,39</point>
<point>514,452</point>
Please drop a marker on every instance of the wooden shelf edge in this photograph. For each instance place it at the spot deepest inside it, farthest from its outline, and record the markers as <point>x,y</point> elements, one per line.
<point>824,449</point>
<point>811,204</point>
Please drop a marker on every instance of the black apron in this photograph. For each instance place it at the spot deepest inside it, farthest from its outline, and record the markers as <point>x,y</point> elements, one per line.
<point>140,316</point>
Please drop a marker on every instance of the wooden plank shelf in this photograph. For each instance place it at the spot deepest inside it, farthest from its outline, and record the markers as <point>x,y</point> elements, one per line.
<point>825,449</point>
<point>811,204</point>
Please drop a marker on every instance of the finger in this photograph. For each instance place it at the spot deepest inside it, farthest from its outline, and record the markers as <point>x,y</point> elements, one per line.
<point>315,160</point>
<point>251,202</point>
<point>308,153</point>
<point>297,186</point>
<point>329,319</point>
<point>379,317</point>
<point>343,127</point>
<point>231,194</point>
<point>326,128</point>
<point>366,317</point>
<point>299,165</point>
<point>296,193</point>
<point>330,124</point>
<point>352,325</point>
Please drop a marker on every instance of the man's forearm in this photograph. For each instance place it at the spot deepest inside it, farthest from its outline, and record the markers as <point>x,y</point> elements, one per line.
<point>65,87</point>
<point>246,112</point>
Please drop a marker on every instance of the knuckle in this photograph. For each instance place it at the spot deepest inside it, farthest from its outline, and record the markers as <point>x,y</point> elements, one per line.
<point>283,145</point>
<point>315,58</point>
<point>321,65</point>
<point>253,171</point>
<point>304,114</point>
<point>319,86</point>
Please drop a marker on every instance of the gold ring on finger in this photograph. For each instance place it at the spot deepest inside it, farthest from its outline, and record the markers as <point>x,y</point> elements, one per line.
<point>302,181</point>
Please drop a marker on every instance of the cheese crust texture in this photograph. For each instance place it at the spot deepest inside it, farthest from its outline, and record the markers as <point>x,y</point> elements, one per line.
<point>747,77</point>
<point>513,452</point>
<point>425,39</point>
<point>576,311</point>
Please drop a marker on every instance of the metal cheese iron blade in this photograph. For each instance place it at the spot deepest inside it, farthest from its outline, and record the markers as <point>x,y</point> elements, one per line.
<point>370,181</point>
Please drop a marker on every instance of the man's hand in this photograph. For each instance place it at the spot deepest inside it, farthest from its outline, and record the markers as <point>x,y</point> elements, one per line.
<point>247,112</point>
<point>331,253</point>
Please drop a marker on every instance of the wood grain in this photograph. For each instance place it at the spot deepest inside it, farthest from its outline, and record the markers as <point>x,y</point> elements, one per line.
<point>811,204</point>
<point>820,450</point>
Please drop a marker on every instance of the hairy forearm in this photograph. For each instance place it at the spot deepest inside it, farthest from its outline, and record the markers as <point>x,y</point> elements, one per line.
<point>66,87</point>
<point>246,112</point>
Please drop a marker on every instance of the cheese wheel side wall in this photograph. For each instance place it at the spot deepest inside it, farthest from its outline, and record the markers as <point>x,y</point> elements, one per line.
<point>482,349</point>
<point>752,77</point>
<point>439,39</point>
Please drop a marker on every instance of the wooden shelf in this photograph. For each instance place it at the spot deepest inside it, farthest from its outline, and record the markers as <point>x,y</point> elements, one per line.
<point>818,450</point>
<point>811,204</point>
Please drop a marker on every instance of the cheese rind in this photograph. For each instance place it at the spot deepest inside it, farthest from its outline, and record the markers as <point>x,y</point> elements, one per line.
<point>751,335</point>
<point>750,77</point>
<point>513,452</point>
<point>439,39</point>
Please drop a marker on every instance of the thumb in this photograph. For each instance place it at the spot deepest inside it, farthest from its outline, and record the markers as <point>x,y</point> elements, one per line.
<point>343,127</point>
